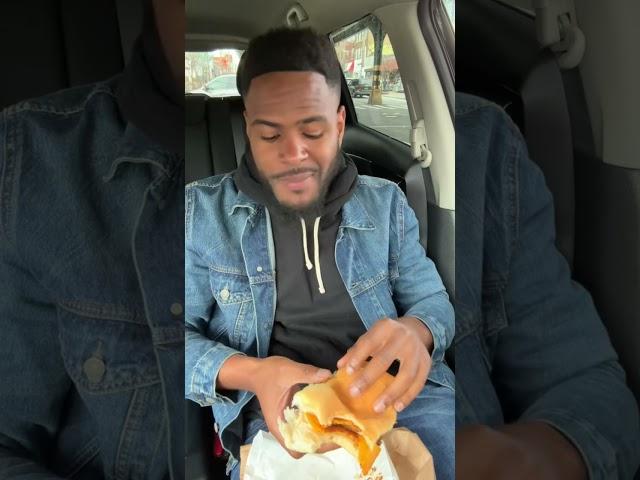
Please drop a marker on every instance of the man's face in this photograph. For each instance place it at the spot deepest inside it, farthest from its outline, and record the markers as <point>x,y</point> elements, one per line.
<point>295,128</point>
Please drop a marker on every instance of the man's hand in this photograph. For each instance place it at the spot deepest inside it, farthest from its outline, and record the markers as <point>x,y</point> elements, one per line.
<point>407,340</point>
<point>526,451</point>
<point>275,382</point>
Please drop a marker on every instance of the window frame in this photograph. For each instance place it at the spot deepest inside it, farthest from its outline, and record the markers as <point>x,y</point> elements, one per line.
<point>440,38</point>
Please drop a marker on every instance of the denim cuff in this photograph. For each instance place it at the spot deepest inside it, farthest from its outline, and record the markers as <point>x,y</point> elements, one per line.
<point>597,453</point>
<point>205,375</point>
<point>437,332</point>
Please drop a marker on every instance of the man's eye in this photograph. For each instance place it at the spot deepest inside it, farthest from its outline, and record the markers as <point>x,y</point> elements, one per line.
<point>272,138</point>
<point>313,136</point>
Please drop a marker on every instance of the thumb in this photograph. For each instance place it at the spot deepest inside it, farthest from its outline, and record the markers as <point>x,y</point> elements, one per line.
<point>311,374</point>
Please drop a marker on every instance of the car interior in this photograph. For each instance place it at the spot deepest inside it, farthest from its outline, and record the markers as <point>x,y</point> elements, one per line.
<point>575,112</point>
<point>594,178</point>
<point>71,43</point>
<point>215,137</point>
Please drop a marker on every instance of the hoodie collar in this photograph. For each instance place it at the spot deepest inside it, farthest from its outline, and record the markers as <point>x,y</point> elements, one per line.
<point>247,180</point>
<point>147,93</point>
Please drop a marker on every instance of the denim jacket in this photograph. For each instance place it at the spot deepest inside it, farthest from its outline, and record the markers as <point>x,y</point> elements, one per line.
<point>91,268</point>
<point>529,343</point>
<point>230,284</point>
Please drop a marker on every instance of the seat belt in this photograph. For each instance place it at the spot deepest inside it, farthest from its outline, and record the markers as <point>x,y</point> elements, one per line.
<point>547,130</point>
<point>547,121</point>
<point>418,181</point>
<point>419,187</point>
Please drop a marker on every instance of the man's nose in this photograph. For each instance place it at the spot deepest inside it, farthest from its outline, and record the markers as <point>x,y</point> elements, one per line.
<point>293,149</point>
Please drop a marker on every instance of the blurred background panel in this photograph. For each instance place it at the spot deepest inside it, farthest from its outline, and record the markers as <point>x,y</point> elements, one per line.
<point>46,45</point>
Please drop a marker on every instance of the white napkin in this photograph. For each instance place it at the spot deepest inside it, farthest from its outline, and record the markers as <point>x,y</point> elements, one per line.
<point>269,461</point>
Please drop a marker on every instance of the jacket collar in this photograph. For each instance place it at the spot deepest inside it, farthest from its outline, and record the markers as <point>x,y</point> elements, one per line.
<point>136,147</point>
<point>354,213</point>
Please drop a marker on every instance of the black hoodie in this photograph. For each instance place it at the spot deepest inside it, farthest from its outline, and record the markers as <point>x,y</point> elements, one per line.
<point>148,95</point>
<point>310,326</point>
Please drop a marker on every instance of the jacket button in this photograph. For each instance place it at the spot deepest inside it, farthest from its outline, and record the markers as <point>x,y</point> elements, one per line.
<point>224,294</point>
<point>176,309</point>
<point>259,268</point>
<point>94,369</point>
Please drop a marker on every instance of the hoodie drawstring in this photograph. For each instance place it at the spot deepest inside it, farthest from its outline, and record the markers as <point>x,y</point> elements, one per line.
<point>316,251</point>
<point>307,262</point>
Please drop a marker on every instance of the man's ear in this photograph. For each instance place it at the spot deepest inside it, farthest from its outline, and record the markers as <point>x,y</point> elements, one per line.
<point>246,123</point>
<point>342,115</point>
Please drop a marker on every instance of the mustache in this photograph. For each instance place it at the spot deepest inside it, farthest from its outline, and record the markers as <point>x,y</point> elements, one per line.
<point>295,171</point>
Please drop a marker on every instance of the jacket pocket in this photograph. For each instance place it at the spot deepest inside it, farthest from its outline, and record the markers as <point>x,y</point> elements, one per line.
<point>234,307</point>
<point>106,348</point>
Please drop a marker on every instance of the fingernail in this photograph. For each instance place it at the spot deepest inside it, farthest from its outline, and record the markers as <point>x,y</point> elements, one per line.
<point>379,406</point>
<point>354,391</point>
<point>349,369</point>
<point>322,373</point>
<point>399,406</point>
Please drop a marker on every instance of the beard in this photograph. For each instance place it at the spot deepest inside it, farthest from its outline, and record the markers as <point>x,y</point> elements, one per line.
<point>314,209</point>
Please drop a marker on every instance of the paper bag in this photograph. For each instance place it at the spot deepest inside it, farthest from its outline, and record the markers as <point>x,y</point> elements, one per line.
<point>411,459</point>
<point>403,457</point>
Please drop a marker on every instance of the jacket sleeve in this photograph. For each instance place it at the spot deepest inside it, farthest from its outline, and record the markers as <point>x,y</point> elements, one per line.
<point>34,383</point>
<point>203,355</point>
<point>554,362</point>
<point>418,291</point>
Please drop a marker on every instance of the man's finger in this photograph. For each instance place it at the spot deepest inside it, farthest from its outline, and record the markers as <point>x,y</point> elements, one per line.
<point>414,390</point>
<point>294,454</point>
<point>377,366</point>
<point>311,374</point>
<point>367,345</point>
<point>401,384</point>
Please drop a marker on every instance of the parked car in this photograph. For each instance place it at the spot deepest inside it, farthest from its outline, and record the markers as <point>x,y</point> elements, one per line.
<point>221,86</point>
<point>358,88</point>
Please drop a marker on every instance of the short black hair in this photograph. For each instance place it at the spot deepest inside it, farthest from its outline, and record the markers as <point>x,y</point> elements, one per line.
<point>286,49</point>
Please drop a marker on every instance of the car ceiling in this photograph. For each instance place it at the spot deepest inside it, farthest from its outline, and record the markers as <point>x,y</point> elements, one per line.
<point>231,18</point>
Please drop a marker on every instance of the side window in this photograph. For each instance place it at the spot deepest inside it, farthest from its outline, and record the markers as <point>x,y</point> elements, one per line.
<point>212,73</point>
<point>450,8</point>
<point>370,68</point>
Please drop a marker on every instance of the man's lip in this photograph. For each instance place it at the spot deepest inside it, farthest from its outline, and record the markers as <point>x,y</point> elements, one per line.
<point>296,177</point>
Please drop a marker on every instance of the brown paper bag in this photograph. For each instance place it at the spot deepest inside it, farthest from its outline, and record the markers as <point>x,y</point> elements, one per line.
<point>244,454</point>
<point>410,457</point>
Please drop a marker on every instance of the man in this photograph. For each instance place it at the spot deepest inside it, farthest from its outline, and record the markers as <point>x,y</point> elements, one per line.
<point>540,393</point>
<point>295,265</point>
<point>91,188</point>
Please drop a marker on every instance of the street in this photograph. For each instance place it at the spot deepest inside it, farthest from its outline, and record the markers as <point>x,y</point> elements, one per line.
<point>390,118</point>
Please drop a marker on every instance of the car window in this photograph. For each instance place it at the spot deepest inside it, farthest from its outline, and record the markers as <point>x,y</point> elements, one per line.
<point>378,95</point>
<point>212,73</point>
<point>450,8</point>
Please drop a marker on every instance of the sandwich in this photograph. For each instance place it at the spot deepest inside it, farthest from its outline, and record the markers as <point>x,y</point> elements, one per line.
<point>325,413</point>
